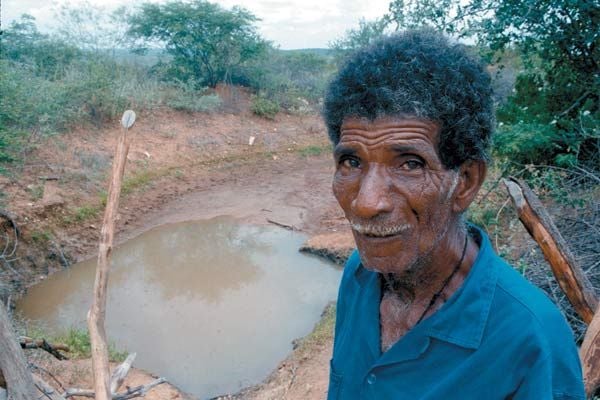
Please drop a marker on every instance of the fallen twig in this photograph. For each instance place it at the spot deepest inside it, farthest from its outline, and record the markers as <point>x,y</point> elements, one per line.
<point>28,343</point>
<point>285,226</point>
<point>45,390</point>
<point>130,393</point>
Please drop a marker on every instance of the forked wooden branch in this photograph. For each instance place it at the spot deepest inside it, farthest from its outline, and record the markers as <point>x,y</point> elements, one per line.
<point>538,223</point>
<point>569,275</point>
<point>96,315</point>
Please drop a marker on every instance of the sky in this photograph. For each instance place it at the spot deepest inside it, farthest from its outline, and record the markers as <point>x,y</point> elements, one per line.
<point>291,24</point>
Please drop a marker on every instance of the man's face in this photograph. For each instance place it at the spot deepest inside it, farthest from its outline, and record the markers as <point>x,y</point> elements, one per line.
<point>394,190</point>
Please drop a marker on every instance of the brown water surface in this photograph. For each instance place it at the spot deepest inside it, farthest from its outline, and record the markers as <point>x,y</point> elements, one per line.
<point>211,305</point>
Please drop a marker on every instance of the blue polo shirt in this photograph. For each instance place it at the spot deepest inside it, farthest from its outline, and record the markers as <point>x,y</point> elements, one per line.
<point>497,337</point>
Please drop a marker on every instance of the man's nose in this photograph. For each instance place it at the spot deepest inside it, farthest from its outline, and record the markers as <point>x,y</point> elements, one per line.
<point>374,194</point>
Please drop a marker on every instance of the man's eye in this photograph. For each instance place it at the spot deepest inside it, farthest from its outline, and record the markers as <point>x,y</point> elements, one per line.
<point>412,165</point>
<point>350,163</point>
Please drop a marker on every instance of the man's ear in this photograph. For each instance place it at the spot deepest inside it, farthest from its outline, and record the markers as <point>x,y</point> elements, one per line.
<point>471,176</point>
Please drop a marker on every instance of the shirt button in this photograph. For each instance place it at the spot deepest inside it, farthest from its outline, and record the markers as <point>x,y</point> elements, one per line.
<point>371,379</point>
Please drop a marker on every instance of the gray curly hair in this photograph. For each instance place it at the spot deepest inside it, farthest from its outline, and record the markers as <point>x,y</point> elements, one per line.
<point>418,73</point>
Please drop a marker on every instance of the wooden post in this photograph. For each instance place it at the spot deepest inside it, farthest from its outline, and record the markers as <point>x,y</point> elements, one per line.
<point>97,313</point>
<point>590,356</point>
<point>538,223</point>
<point>13,365</point>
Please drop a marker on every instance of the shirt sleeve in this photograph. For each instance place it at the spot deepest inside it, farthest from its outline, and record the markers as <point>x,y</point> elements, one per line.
<point>548,381</point>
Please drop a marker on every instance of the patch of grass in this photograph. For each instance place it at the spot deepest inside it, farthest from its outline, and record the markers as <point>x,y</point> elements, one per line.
<point>322,333</point>
<point>137,181</point>
<point>36,191</point>
<point>41,236</point>
<point>84,213</point>
<point>78,341</point>
<point>314,150</point>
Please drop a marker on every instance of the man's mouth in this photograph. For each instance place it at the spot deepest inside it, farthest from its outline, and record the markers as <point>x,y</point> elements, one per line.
<point>379,231</point>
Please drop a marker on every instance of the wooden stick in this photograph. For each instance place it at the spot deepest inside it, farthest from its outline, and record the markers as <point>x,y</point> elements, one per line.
<point>119,374</point>
<point>97,313</point>
<point>590,356</point>
<point>282,225</point>
<point>12,362</point>
<point>130,393</point>
<point>47,391</point>
<point>538,223</point>
<point>28,343</point>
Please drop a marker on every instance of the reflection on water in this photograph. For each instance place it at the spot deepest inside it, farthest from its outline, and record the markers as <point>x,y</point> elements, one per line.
<point>213,305</point>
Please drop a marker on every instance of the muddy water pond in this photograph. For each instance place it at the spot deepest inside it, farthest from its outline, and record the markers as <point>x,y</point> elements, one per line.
<point>211,305</point>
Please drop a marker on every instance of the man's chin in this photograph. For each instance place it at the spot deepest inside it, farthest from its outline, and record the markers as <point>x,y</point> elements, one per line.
<point>389,255</point>
<point>383,265</point>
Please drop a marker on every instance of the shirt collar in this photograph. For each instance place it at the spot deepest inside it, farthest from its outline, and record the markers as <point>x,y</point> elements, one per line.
<point>462,319</point>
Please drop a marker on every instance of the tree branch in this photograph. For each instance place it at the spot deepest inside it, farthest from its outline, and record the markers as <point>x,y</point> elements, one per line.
<point>538,223</point>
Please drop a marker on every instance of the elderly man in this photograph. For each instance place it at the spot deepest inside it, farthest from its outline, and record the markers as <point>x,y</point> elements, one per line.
<point>426,310</point>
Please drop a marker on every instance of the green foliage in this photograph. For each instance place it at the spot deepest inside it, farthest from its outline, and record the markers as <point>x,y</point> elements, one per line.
<point>80,346</point>
<point>356,38</point>
<point>139,180</point>
<point>36,191</point>
<point>207,42</point>
<point>321,334</point>
<point>313,150</point>
<point>557,93</point>
<point>185,97</point>
<point>293,79</point>
<point>264,107</point>
<point>198,103</point>
<point>527,143</point>
<point>10,142</point>
<point>40,54</point>
<point>84,213</point>
<point>90,26</point>
<point>47,86</point>
<point>41,237</point>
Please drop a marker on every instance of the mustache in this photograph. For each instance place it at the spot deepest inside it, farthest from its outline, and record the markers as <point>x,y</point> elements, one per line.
<point>378,229</point>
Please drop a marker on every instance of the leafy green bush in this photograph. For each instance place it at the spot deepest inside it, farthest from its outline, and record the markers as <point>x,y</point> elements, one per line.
<point>533,129</point>
<point>264,107</point>
<point>47,86</point>
<point>293,79</point>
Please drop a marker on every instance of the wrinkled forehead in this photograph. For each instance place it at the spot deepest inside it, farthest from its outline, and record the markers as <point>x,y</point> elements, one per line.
<point>390,128</point>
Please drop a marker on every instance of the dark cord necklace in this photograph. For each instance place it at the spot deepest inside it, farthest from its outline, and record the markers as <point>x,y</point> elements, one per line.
<point>448,279</point>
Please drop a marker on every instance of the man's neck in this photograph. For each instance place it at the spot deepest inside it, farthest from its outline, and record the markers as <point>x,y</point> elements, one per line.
<point>420,283</point>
